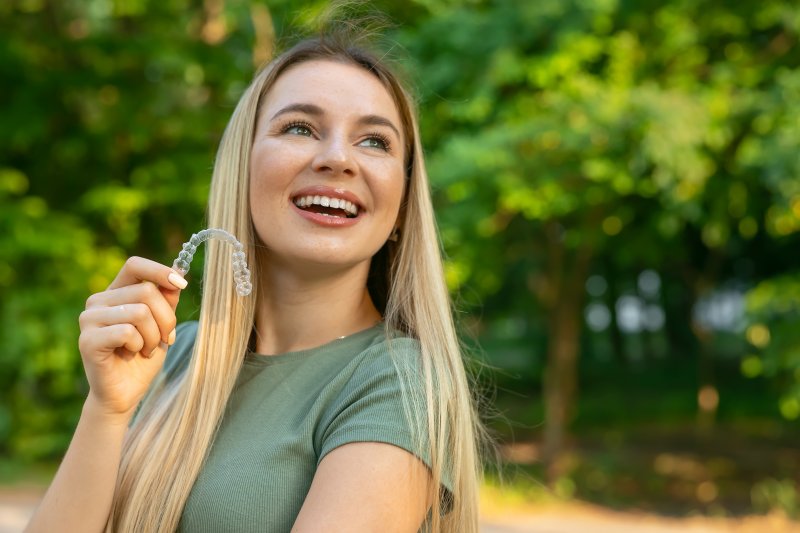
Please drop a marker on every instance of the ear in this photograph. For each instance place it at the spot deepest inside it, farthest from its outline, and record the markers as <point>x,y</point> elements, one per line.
<point>399,222</point>
<point>397,229</point>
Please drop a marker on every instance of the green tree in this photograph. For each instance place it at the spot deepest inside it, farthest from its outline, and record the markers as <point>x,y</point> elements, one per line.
<point>111,114</point>
<point>581,130</point>
<point>564,139</point>
<point>773,306</point>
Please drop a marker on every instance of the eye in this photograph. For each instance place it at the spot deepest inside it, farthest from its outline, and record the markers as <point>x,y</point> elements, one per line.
<point>376,140</point>
<point>298,128</point>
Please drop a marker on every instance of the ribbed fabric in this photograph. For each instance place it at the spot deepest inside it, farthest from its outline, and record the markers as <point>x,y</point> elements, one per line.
<point>286,413</point>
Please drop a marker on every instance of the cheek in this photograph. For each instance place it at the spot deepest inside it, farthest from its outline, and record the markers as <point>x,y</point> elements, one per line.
<point>271,167</point>
<point>389,186</point>
<point>264,187</point>
<point>394,191</point>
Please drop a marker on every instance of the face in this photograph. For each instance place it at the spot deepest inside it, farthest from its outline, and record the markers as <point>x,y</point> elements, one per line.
<point>326,168</point>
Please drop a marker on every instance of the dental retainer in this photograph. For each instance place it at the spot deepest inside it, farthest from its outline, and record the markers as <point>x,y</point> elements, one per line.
<point>241,274</point>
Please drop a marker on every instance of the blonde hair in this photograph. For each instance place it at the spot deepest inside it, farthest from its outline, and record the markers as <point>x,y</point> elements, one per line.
<point>165,449</point>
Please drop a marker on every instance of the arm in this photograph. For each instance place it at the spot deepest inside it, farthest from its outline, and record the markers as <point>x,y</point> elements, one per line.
<point>79,498</point>
<point>125,331</point>
<point>365,487</point>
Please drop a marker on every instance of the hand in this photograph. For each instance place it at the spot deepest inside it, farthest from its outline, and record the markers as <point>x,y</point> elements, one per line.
<point>125,331</point>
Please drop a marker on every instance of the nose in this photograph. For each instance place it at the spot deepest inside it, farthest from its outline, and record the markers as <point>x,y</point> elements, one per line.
<point>334,157</point>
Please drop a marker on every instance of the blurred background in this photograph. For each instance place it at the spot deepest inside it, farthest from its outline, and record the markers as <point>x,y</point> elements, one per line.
<point>616,184</point>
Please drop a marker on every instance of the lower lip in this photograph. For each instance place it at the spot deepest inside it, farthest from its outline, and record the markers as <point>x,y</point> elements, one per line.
<point>327,221</point>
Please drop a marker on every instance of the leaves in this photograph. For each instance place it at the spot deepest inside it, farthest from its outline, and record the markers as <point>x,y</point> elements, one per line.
<point>650,135</point>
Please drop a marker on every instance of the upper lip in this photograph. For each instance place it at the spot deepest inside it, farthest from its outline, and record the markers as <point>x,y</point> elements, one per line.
<point>330,192</point>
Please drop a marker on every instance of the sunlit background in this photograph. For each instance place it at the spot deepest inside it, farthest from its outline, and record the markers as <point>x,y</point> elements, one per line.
<point>616,184</point>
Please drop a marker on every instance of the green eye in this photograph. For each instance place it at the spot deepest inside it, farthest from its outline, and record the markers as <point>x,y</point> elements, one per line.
<point>375,141</point>
<point>298,129</point>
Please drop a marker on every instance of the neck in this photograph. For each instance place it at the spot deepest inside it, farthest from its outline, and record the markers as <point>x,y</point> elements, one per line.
<point>298,312</point>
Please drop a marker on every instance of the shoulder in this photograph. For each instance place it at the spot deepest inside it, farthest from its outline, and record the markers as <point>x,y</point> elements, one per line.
<point>369,402</point>
<point>385,400</point>
<point>392,351</point>
<point>391,363</point>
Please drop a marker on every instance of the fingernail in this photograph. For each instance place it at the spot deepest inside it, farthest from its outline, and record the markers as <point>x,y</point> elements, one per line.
<point>171,339</point>
<point>178,281</point>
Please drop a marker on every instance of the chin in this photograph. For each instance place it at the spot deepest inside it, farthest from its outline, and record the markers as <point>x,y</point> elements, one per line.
<point>335,258</point>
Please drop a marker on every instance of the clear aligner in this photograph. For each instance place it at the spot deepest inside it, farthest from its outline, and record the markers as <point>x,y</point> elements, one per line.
<point>241,274</point>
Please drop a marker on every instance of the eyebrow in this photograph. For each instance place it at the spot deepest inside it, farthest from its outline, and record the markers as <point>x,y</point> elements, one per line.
<point>315,110</point>
<point>309,109</point>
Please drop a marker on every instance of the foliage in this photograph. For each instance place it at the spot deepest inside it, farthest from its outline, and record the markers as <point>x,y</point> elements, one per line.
<point>110,119</point>
<point>574,147</point>
<point>773,312</point>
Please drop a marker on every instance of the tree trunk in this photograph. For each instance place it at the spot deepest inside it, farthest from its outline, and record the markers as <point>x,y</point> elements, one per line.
<point>703,283</point>
<point>560,380</point>
<point>561,290</point>
<point>707,393</point>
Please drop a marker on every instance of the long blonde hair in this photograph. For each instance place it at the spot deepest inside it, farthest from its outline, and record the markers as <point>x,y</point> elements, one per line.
<point>165,449</point>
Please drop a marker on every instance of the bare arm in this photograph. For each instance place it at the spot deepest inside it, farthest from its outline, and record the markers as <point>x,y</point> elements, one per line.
<point>79,498</point>
<point>125,331</point>
<point>365,487</point>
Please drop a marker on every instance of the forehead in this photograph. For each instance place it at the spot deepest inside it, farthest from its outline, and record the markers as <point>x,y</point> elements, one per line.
<point>338,88</point>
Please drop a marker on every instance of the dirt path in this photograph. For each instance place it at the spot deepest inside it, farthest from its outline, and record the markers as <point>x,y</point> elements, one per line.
<point>622,524</point>
<point>576,517</point>
<point>17,504</point>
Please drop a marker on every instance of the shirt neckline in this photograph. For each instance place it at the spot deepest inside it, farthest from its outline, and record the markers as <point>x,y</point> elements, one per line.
<point>254,358</point>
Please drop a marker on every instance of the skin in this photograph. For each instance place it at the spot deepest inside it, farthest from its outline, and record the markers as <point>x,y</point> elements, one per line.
<point>310,270</point>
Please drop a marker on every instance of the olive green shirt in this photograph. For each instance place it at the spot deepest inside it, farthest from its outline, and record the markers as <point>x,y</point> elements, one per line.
<point>285,414</point>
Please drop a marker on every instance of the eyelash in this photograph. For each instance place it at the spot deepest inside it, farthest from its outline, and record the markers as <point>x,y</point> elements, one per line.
<point>374,135</point>
<point>382,138</point>
<point>296,124</point>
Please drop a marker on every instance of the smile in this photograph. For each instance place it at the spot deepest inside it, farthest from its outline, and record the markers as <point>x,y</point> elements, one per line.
<point>324,205</point>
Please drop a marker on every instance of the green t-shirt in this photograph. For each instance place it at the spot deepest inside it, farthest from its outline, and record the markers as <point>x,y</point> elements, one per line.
<point>285,414</point>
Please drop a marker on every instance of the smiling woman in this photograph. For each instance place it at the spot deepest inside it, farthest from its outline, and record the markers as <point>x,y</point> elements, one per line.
<point>335,398</point>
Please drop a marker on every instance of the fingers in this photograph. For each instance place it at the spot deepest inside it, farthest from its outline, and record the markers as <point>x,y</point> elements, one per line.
<point>138,269</point>
<point>132,325</point>
<point>159,305</point>
<point>123,339</point>
<point>136,314</point>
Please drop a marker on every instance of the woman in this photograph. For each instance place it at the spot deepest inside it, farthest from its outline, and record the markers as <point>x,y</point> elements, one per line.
<point>363,420</point>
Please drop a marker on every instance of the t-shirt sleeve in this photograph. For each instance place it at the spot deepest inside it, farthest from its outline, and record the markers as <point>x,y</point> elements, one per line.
<point>370,407</point>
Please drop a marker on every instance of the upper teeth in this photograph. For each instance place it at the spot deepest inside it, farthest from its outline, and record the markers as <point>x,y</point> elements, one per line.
<point>325,201</point>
